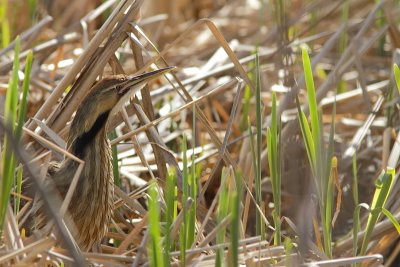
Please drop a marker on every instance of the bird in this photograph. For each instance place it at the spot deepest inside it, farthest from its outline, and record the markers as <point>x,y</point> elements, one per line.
<point>91,204</point>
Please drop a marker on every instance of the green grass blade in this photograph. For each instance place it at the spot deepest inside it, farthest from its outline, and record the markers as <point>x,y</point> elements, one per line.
<point>10,111</point>
<point>192,213</point>
<point>170,213</point>
<point>258,119</point>
<point>19,189</point>
<point>185,194</point>
<point>5,24</point>
<point>259,140</point>
<point>235,221</point>
<point>288,250</point>
<point>355,180</point>
<point>396,71</point>
<point>380,23</point>
<point>312,103</point>
<point>356,220</point>
<point>154,251</point>
<point>383,186</point>
<point>32,9</point>
<point>389,111</point>
<point>273,159</point>
<point>330,151</point>
<point>330,167</point>
<point>307,137</point>
<point>259,223</point>
<point>25,89</point>
<point>392,219</point>
<point>222,212</point>
<point>10,117</point>
<point>343,41</point>
<point>357,225</point>
<point>327,224</point>
<point>247,99</point>
<point>319,162</point>
<point>192,188</point>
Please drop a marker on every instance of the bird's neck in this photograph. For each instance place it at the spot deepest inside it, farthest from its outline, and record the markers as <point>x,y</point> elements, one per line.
<point>94,149</point>
<point>97,158</point>
<point>80,142</point>
<point>96,154</point>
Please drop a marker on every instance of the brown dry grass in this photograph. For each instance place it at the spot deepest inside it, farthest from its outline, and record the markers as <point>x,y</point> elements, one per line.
<point>78,45</point>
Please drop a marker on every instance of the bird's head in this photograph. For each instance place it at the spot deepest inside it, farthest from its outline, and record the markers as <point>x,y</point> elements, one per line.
<point>105,98</point>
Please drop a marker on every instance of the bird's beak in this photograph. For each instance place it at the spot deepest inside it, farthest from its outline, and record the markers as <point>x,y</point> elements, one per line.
<point>142,79</point>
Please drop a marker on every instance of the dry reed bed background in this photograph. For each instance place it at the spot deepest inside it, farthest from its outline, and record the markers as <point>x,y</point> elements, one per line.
<point>213,57</point>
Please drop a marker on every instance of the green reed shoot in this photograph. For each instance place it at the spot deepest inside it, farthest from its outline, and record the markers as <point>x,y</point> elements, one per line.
<point>155,253</point>
<point>260,227</point>
<point>185,194</point>
<point>235,201</point>
<point>383,186</point>
<point>14,116</point>
<point>189,191</point>
<point>319,159</point>
<point>344,37</point>
<point>170,214</point>
<point>5,24</point>
<point>356,219</point>
<point>222,212</point>
<point>274,167</point>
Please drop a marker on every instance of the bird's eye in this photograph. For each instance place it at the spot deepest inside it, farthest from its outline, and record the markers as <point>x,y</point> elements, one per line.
<point>118,88</point>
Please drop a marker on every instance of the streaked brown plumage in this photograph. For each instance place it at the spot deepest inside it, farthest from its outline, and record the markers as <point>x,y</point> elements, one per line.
<point>92,202</point>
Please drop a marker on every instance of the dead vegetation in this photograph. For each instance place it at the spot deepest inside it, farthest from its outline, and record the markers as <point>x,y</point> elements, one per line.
<point>209,98</point>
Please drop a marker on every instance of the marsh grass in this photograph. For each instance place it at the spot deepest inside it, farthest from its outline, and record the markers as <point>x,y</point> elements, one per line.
<point>170,213</point>
<point>273,146</point>
<point>215,152</point>
<point>319,158</point>
<point>155,253</point>
<point>222,212</point>
<point>14,116</point>
<point>5,24</point>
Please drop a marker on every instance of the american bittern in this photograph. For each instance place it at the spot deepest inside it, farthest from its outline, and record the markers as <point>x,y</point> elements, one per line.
<point>92,202</point>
